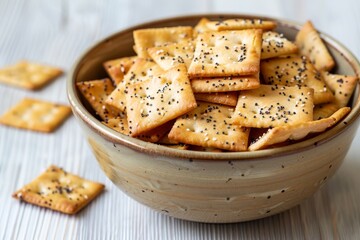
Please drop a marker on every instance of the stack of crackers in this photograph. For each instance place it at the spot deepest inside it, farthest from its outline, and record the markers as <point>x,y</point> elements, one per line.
<point>229,85</point>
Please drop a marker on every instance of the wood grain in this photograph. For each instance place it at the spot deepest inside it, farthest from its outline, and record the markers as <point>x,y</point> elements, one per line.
<point>57,32</point>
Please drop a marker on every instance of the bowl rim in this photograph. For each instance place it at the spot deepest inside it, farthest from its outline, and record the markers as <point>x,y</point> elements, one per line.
<point>156,149</point>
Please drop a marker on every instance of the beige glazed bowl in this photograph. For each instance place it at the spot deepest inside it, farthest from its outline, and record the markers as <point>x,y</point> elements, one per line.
<point>211,187</point>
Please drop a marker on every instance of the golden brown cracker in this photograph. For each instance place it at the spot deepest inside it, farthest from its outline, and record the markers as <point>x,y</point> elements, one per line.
<point>201,27</point>
<point>154,37</point>
<point>311,45</point>
<point>241,24</point>
<point>324,110</point>
<point>210,125</point>
<point>296,71</point>
<point>297,131</point>
<point>154,102</point>
<point>275,44</point>
<point>273,105</point>
<point>141,70</point>
<point>117,68</point>
<point>171,55</point>
<point>36,115</point>
<point>29,75</point>
<point>224,98</point>
<point>59,190</point>
<point>96,92</point>
<point>120,124</point>
<point>225,84</point>
<point>342,86</point>
<point>227,53</point>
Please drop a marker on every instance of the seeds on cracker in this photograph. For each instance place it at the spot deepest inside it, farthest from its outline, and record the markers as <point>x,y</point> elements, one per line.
<point>274,105</point>
<point>297,131</point>
<point>311,45</point>
<point>227,53</point>
<point>117,68</point>
<point>120,124</point>
<point>59,190</point>
<point>225,84</point>
<point>96,92</point>
<point>224,98</point>
<point>155,37</point>
<point>296,71</point>
<point>141,70</point>
<point>29,75</point>
<point>241,24</point>
<point>210,125</point>
<point>275,44</point>
<point>343,86</point>
<point>36,115</point>
<point>154,102</point>
<point>171,55</point>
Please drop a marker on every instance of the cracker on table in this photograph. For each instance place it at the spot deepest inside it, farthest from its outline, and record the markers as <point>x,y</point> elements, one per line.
<point>224,98</point>
<point>343,87</point>
<point>151,103</point>
<point>241,24</point>
<point>225,84</point>
<point>154,37</point>
<point>96,92</point>
<point>274,105</point>
<point>117,68</point>
<point>141,70</point>
<point>297,131</point>
<point>226,53</point>
<point>210,125</point>
<point>120,125</point>
<point>36,115</point>
<point>29,75</point>
<point>311,45</point>
<point>275,44</point>
<point>59,190</point>
<point>324,110</point>
<point>296,70</point>
<point>201,27</point>
<point>171,55</point>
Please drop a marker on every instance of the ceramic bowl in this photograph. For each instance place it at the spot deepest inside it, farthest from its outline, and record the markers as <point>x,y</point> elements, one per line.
<point>211,187</point>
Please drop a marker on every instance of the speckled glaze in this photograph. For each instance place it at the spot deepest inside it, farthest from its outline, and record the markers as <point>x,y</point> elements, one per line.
<point>212,187</point>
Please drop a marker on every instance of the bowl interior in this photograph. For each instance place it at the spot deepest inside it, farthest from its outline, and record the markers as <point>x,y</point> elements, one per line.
<point>90,67</point>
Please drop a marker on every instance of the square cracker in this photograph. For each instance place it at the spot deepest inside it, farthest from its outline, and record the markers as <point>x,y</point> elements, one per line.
<point>60,191</point>
<point>120,125</point>
<point>29,75</point>
<point>296,71</point>
<point>210,125</point>
<point>36,115</point>
<point>298,131</point>
<point>224,98</point>
<point>225,84</point>
<point>273,105</point>
<point>154,37</point>
<point>343,87</point>
<point>227,53</point>
<point>171,55</point>
<point>275,44</point>
<point>152,103</point>
<point>241,24</point>
<point>311,45</point>
<point>117,68</point>
<point>96,92</point>
<point>141,70</point>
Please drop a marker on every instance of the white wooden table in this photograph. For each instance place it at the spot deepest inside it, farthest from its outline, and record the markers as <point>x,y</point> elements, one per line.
<point>56,32</point>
